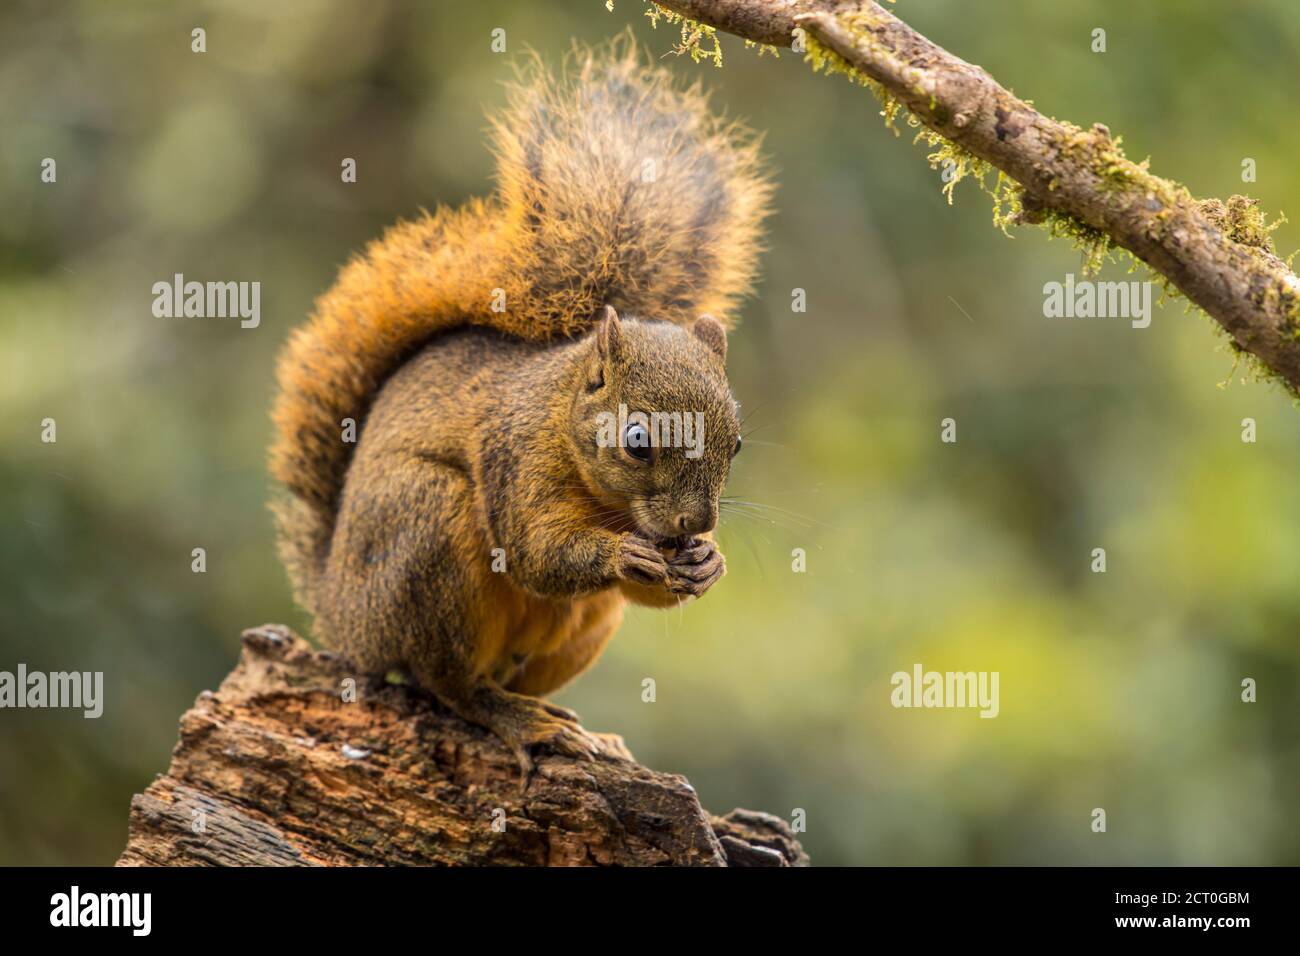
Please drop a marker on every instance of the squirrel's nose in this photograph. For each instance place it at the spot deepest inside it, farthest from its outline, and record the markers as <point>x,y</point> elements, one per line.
<point>697,523</point>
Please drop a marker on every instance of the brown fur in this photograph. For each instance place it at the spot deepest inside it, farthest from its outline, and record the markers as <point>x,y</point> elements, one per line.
<point>477,427</point>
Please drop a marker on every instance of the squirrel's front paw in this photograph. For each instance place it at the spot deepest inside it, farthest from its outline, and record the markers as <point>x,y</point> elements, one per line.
<point>640,562</point>
<point>696,568</point>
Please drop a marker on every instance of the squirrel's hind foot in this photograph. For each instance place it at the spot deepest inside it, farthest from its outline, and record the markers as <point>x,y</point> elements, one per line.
<point>525,722</point>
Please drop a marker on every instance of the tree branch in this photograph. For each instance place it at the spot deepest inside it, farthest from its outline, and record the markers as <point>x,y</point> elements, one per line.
<point>1218,255</point>
<point>279,767</point>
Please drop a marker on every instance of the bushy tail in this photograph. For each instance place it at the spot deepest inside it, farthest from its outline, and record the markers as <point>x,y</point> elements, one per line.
<point>614,186</point>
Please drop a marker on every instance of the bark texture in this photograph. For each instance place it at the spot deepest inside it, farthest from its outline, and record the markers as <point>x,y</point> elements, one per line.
<point>276,769</point>
<point>1221,263</point>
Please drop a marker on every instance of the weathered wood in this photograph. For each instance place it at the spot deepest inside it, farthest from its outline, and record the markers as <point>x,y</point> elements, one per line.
<point>282,767</point>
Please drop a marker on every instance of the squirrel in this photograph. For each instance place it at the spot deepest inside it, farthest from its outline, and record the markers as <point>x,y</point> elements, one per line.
<point>475,533</point>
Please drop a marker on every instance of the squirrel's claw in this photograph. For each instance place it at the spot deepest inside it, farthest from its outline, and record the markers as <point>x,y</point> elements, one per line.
<point>540,723</point>
<point>639,561</point>
<point>574,742</point>
<point>563,713</point>
<point>695,553</point>
<point>525,761</point>
<point>694,571</point>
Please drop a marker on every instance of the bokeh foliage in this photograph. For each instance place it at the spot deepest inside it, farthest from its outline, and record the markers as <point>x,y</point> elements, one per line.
<point>1118,690</point>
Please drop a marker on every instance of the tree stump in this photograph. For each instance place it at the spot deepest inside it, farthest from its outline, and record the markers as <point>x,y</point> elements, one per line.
<point>299,760</point>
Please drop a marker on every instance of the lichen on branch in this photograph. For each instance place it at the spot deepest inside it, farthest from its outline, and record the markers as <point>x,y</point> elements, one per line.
<point>1075,182</point>
<point>692,33</point>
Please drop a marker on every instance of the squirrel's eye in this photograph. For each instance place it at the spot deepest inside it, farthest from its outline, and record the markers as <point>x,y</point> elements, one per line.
<point>736,451</point>
<point>636,441</point>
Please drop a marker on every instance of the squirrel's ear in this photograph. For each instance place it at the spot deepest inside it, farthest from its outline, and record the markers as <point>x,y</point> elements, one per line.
<point>609,334</point>
<point>710,331</point>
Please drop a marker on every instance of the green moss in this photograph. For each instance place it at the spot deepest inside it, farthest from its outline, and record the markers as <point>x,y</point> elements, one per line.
<point>692,33</point>
<point>823,59</point>
<point>1094,149</point>
<point>1096,246</point>
<point>1246,224</point>
<point>956,163</point>
<point>1008,204</point>
<point>1243,221</point>
<point>1254,371</point>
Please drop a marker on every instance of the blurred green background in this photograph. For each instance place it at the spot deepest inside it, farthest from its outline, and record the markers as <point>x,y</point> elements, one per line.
<point>1118,690</point>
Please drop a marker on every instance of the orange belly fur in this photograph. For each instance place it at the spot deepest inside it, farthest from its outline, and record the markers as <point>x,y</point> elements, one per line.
<point>555,639</point>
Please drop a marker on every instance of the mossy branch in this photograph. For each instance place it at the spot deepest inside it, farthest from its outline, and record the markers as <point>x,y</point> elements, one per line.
<point>1076,182</point>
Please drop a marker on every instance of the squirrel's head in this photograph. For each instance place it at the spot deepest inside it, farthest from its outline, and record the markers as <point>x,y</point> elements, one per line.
<point>655,423</point>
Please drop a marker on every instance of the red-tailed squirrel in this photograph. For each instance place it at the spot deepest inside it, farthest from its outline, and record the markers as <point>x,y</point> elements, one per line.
<point>478,533</point>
